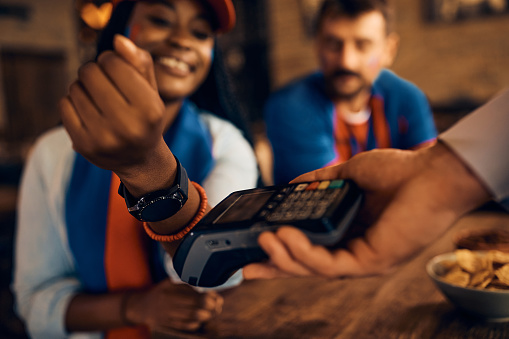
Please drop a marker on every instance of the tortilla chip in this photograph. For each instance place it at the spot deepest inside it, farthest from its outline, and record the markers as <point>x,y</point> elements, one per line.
<point>490,271</point>
<point>459,278</point>
<point>469,261</point>
<point>503,274</point>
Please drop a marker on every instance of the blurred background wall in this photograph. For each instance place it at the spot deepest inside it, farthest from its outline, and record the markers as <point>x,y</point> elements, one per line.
<point>38,56</point>
<point>456,51</point>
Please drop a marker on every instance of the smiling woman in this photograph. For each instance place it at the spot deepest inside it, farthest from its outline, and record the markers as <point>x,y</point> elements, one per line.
<point>179,37</point>
<point>152,110</point>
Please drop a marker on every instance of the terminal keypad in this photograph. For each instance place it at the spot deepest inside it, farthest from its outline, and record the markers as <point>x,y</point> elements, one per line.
<point>304,201</point>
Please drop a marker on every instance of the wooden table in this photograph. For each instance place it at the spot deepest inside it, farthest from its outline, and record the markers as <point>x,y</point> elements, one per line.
<point>403,304</point>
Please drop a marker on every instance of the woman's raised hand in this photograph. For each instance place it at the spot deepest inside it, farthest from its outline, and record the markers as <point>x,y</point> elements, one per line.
<point>113,112</point>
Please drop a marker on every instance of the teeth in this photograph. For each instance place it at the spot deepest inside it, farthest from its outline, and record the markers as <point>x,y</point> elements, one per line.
<point>174,63</point>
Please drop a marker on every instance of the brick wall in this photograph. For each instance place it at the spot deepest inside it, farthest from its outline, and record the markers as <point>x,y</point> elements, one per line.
<point>50,26</point>
<point>39,57</point>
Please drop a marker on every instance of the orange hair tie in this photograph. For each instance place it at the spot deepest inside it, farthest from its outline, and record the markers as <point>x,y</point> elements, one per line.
<point>177,236</point>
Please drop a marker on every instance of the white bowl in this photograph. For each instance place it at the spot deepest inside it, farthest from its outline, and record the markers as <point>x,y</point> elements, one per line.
<point>488,305</point>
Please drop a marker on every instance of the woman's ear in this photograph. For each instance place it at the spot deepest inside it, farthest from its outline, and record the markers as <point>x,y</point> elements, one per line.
<point>391,49</point>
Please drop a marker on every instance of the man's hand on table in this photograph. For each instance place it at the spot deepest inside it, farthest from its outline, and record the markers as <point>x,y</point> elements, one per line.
<point>411,198</point>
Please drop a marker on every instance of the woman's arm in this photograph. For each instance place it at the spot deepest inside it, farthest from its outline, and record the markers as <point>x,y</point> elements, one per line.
<point>116,118</point>
<point>44,274</point>
<point>163,307</point>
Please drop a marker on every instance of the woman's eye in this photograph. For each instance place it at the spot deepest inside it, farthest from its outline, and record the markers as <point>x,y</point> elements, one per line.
<point>158,21</point>
<point>202,35</point>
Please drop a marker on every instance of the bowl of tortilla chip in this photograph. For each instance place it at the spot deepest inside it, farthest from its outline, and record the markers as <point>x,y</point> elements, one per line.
<point>476,282</point>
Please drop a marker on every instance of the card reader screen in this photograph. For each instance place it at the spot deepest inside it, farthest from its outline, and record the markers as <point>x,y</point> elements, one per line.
<point>244,207</point>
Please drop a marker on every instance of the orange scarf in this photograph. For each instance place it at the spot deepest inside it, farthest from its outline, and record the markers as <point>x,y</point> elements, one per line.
<point>345,133</point>
<point>126,256</point>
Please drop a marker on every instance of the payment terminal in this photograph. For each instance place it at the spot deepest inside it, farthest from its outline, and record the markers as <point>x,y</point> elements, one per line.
<point>225,240</point>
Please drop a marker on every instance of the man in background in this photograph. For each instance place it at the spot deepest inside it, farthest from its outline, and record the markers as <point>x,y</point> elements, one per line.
<point>411,198</point>
<point>353,103</point>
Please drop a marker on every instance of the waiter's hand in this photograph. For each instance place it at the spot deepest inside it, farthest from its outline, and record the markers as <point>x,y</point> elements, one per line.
<point>411,198</point>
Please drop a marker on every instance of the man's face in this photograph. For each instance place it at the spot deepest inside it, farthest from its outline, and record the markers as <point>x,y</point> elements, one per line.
<point>352,51</point>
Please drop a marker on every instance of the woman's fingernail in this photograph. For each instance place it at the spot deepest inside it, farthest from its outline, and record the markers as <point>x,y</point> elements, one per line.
<point>120,39</point>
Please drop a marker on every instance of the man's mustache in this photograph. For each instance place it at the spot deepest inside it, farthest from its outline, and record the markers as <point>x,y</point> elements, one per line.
<point>344,72</point>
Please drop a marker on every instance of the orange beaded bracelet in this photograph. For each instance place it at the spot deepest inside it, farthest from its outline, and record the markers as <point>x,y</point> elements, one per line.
<point>177,236</point>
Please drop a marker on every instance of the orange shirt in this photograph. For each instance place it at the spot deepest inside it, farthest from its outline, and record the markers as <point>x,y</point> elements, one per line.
<point>352,138</point>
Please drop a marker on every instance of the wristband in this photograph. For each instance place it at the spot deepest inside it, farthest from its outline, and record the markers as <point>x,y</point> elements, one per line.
<point>177,236</point>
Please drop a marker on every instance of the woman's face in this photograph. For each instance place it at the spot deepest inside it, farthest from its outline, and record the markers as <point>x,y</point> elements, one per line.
<point>179,36</point>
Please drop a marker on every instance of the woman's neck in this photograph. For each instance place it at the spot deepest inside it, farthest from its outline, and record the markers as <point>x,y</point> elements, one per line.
<point>172,108</point>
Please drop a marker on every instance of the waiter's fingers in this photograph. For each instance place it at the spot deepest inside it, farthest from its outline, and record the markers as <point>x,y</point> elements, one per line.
<point>280,256</point>
<point>314,258</point>
<point>263,271</point>
<point>326,173</point>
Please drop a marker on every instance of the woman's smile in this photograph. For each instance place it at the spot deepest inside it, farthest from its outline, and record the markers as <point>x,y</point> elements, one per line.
<point>175,66</point>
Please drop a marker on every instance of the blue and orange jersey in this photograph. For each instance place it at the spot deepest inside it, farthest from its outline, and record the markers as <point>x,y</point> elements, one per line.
<point>306,134</point>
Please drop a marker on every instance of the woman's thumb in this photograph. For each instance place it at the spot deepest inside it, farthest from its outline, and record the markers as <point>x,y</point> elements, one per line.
<point>137,57</point>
